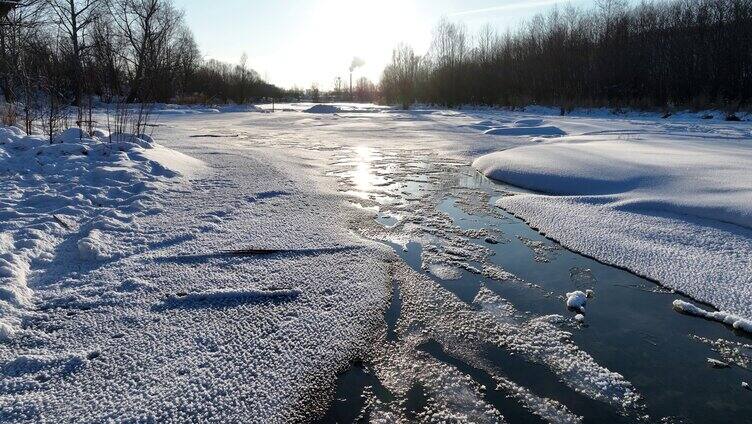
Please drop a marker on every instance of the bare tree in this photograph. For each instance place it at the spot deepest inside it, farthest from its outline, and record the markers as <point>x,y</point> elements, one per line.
<point>75,17</point>
<point>19,25</point>
<point>107,65</point>
<point>148,27</point>
<point>365,90</point>
<point>400,76</point>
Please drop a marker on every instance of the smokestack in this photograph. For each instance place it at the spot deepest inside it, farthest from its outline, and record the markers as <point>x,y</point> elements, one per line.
<point>356,63</point>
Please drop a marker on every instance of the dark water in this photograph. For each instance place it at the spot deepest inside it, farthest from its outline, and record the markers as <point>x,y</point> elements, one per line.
<point>630,328</point>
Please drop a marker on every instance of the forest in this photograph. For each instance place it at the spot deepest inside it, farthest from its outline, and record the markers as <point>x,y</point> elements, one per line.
<point>650,55</point>
<point>58,53</point>
<point>619,54</point>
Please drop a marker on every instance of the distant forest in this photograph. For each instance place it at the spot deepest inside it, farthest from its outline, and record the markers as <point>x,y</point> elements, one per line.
<point>66,51</point>
<point>659,54</point>
<point>688,53</point>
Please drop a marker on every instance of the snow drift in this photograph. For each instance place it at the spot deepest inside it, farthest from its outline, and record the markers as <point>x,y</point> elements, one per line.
<point>323,109</point>
<point>675,210</point>
<point>75,182</point>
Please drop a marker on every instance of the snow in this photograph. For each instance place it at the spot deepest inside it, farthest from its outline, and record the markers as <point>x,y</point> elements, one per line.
<point>323,109</point>
<point>734,321</point>
<point>235,295</point>
<point>445,272</point>
<point>715,363</point>
<point>550,131</point>
<point>95,246</point>
<point>115,276</point>
<point>241,108</point>
<point>53,186</point>
<point>6,332</point>
<point>176,161</point>
<point>636,176</point>
<point>332,108</point>
<point>115,273</point>
<point>71,135</point>
<point>577,300</point>
<point>671,201</point>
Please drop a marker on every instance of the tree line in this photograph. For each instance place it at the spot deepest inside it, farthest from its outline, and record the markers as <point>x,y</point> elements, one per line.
<point>689,53</point>
<point>68,51</point>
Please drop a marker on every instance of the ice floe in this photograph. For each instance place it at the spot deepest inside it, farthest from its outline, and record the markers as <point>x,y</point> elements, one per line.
<point>734,321</point>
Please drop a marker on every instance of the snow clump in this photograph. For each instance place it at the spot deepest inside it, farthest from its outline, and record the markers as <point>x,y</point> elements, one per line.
<point>576,300</point>
<point>735,321</point>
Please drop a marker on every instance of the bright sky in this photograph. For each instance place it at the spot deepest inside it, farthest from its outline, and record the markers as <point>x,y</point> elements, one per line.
<point>299,42</point>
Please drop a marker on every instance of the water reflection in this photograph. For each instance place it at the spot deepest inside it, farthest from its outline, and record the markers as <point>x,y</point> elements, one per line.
<point>631,331</point>
<point>364,179</point>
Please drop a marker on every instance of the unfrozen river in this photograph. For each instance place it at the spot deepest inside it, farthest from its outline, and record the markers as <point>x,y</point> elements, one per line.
<point>477,328</point>
<point>440,219</point>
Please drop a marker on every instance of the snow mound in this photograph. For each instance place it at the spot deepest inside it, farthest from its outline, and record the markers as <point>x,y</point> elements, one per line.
<point>323,109</point>
<point>577,300</point>
<point>677,209</point>
<point>71,135</point>
<point>529,122</point>
<point>53,186</point>
<point>544,131</point>
<point>95,247</point>
<point>735,321</point>
<point>242,108</point>
<point>6,331</point>
<point>172,109</point>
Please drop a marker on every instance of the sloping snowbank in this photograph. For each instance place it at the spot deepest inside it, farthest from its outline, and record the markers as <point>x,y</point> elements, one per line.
<point>134,299</point>
<point>675,210</point>
<point>337,108</point>
<point>77,183</point>
<point>323,109</point>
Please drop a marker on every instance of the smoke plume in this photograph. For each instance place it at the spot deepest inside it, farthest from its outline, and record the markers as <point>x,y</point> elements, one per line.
<point>356,63</point>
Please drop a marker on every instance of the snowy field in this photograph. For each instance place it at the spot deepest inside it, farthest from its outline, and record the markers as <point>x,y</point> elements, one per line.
<point>228,266</point>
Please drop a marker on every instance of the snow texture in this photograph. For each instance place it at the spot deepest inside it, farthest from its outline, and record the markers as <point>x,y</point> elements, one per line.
<point>670,201</point>
<point>49,187</point>
<point>140,284</point>
<point>735,321</point>
<point>131,288</point>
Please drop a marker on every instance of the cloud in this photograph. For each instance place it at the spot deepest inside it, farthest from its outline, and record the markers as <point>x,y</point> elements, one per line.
<point>517,5</point>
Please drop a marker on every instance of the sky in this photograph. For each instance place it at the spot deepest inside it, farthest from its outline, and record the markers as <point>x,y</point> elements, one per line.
<point>301,42</point>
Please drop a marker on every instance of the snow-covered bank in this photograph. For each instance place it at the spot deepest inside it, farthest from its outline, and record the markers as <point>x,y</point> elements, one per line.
<point>77,185</point>
<point>677,209</point>
<point>239,292</point>
<point>139,309</point>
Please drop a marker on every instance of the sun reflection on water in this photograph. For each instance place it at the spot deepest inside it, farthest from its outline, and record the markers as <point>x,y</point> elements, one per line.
<point>366,182</point>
